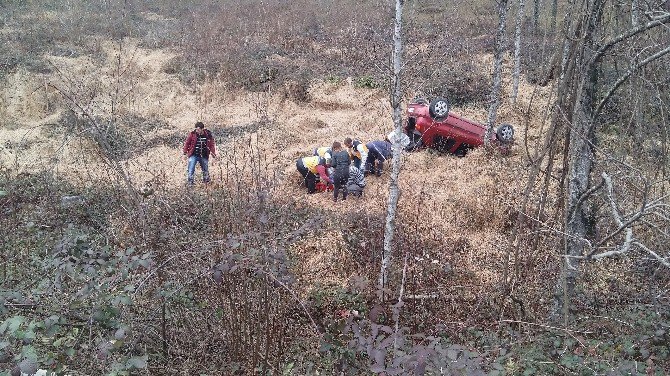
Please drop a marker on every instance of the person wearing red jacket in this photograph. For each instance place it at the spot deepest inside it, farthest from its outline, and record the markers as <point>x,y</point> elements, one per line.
<point>198,147</point>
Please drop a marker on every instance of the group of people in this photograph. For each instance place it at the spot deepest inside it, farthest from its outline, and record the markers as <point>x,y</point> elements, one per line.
<point>342,165</point>
<point>344,168</point>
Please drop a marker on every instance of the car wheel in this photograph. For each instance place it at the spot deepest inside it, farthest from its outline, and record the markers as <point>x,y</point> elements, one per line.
<point>505,133</point>
<point>439,109</point>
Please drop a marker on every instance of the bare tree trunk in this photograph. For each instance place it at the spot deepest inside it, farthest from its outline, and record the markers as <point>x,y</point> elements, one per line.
<point>517,50</point>
<point>554,14</point>
<point>394,191</point>
<point>494,101</point>
<point>581,163</point>
<point>580,160</point>
<point>536,16</point>
<point>634,13</point>
<point>587,105</point>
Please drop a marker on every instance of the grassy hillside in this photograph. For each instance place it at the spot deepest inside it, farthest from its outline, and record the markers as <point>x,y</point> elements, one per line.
<point>110,265</point>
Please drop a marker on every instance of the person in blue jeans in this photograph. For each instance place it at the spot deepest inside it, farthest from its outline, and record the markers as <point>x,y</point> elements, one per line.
<point>198,147</point>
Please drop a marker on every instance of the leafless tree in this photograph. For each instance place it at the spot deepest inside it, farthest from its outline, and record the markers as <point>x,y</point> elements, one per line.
<point>517,50</point>
<point>494,101</point>
<point>554,15</point>
<point>396,98</point>
<point>536,15</point>
<point>583,106</point>
<point>634,13</point>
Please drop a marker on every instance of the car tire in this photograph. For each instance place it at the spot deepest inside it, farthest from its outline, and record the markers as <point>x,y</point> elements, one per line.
<point>439,109</point>
<point>505,133</point>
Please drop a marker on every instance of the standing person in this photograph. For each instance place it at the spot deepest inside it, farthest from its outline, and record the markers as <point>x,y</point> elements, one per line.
<point>340,165</point>
<point>356,181</point>
<point>358,152</point>
<point>379,152</point>
<point>199,146</point>
<point>309,167</point>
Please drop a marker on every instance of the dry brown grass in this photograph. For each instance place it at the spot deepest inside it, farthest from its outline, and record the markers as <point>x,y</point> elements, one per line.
<point>454,212</point>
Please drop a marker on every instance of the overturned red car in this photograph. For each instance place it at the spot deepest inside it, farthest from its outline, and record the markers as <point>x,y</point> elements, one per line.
<point>430,124</point>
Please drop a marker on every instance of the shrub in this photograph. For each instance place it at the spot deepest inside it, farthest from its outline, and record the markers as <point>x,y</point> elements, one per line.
<point>297,90</point>
<point>367,82</point>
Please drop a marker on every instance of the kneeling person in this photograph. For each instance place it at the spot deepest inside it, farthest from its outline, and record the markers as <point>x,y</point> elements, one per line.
<point>356,181</point>
<point>378,153</point>
<point>309,167</point>
<point>358,152</point>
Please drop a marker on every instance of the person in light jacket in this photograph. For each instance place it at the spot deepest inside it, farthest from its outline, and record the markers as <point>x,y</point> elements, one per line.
<point>358,152</point>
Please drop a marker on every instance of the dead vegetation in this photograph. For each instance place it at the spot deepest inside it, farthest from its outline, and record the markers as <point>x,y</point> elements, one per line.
<point>251,274</point>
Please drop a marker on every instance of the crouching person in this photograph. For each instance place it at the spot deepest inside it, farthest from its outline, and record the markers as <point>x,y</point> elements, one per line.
<point>378,153</point>
<point>356,181</point>
<point>358,152</point>
<point>309,167</point>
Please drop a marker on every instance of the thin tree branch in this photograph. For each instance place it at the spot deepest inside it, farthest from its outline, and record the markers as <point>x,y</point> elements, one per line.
<point>583,198</point>
<point>626,75</point>
<point>662,260</point>
<point>617,216</point>
<point>630,33</point>
<point>400,294</point>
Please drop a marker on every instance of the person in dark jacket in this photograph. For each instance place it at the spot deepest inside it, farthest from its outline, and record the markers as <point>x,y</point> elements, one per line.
<point>340,163</point>
<point>198,147</point>
<point>378,153</point>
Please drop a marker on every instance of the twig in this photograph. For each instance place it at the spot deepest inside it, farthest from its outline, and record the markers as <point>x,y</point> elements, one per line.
<point>400,294</point>
<point>662,260</point>
<point>568,331</point>
<point>617,218</point>
<point>626,75</point>
<point>282,284</point>
<point>156,269</point>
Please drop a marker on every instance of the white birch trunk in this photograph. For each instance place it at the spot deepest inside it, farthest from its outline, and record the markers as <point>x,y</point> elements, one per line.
<point>394,191</point>
<point>554,14</point>
<point>517,51</point>
<point>497,71</point>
